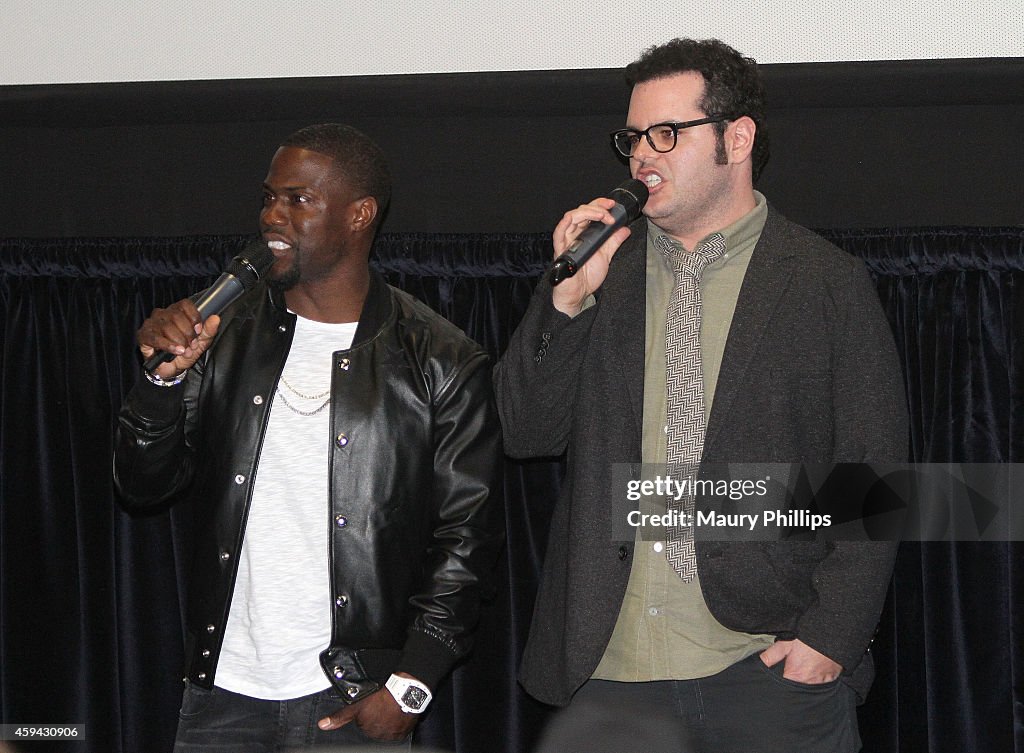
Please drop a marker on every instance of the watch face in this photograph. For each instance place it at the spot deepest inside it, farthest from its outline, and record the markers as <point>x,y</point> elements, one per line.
<point>414,697</point>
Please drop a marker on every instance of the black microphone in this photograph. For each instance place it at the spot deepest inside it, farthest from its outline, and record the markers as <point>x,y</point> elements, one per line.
<point>630,198</point>
<point>241,276</point>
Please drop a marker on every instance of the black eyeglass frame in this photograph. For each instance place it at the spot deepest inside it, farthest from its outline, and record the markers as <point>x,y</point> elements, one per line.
<point>675,125</point>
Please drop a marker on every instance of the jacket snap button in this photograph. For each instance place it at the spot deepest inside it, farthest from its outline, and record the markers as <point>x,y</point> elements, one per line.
<point>202,675</point>
<point>623,552</point>
<point>344,363</point>
<point>206,653</point>
<point>342,440</point>
<point>210,628</point>
<point>257,400</point>
<point>341,601</point>
<point>341,520</point>
<point>225,556</point>
<point>352,692</point>
<point>339,672</point>
<point>239,479</point>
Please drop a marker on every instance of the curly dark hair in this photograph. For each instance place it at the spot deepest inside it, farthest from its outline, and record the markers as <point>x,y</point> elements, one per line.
<point>356,156</point>
<point>732,84</point>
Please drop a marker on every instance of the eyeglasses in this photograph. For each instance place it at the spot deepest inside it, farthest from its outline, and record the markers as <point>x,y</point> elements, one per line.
<point>661,136</point>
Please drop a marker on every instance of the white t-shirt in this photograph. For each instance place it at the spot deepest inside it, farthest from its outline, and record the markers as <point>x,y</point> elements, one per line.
<point>280,618</point>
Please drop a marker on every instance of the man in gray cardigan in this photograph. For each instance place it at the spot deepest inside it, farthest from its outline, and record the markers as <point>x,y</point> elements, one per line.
<point>766,647</point>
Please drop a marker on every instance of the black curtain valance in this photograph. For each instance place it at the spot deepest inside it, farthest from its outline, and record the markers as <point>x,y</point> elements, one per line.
<point>885,251</point>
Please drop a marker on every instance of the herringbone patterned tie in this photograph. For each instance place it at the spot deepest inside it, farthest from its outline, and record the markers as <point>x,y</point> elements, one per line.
<point>685,386</point>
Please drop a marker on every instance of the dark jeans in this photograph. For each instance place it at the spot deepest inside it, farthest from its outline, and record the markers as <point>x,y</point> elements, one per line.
<point>219,721</point>
<point>746,708</point>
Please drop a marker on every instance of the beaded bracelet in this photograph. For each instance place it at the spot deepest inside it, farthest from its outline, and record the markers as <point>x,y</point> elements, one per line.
<point>155,379</point>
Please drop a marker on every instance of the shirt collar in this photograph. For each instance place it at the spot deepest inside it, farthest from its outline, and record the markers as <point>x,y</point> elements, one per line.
<point>740,233</point>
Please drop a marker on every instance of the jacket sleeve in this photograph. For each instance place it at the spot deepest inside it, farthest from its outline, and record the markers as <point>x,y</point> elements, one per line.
<point>535,379</point>
<point>870,426</point>
<point>153,457</point>
<point>468,523</point>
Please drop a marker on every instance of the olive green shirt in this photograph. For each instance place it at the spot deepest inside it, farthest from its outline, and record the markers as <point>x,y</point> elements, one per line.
<point>664,629</point>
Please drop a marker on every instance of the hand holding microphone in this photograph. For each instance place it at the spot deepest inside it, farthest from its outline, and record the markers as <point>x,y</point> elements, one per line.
<point>601,220</point>
<point>180,333</point>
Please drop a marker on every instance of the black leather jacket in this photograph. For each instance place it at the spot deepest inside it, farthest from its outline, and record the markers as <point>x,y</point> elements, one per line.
<point>415,515</point>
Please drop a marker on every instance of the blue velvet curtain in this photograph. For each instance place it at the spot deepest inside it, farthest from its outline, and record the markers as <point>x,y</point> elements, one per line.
<point>90,596</point>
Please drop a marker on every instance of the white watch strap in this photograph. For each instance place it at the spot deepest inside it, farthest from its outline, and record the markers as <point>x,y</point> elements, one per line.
<point>412,696</point>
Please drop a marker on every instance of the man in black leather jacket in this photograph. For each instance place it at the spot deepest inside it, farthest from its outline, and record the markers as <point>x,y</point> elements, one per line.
<point>339,442</point>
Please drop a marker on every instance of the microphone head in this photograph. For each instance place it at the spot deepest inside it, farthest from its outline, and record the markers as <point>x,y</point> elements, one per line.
<point>632,195</point>
<point>250,265</point>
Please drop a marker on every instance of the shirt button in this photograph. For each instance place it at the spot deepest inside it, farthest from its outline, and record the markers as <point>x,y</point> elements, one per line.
<point>342,440</point>
<point>239,479</point>
<point>653,611</point>
<point>257,400</point>
<point>658,546</point>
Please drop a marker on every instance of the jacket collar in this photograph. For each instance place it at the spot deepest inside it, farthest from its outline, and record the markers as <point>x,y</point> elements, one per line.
<point>629,314</point>
<point>377,308</point>
<point>769,276</point>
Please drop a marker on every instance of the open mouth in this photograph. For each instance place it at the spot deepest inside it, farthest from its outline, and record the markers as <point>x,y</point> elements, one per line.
<point>278,245</point>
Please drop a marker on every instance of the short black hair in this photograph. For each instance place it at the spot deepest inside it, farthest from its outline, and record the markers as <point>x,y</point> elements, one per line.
<point>732,83</point>
<point>357,157</point>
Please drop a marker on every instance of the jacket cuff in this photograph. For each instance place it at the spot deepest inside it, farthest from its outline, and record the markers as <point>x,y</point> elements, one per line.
<point>835,644</point>
<point>426,658</point>
<point>154,403</point>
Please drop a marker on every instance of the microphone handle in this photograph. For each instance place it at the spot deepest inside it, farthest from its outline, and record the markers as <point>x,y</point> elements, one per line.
<point>574,257</point>
<point>225,291</point>
<point>160,357</point>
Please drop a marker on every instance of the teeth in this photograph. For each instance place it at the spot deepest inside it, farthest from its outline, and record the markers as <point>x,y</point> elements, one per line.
<point>652,180</point>
<point>278,245</point>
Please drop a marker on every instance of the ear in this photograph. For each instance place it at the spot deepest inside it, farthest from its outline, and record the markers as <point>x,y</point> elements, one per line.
<point>364,213</point>
<point>739,139</point>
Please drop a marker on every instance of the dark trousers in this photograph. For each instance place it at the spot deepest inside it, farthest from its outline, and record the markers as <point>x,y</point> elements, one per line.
<point>746,708</point>
<point>219,721</point>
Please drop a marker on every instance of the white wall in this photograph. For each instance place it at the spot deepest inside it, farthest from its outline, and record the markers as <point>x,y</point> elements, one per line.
<point>46,41</point>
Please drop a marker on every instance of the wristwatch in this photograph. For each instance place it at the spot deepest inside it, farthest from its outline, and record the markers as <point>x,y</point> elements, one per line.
<point>412,695</point>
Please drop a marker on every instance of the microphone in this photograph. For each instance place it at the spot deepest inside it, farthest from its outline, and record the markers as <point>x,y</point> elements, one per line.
<point>630,198</point>
<point>241,276</point>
